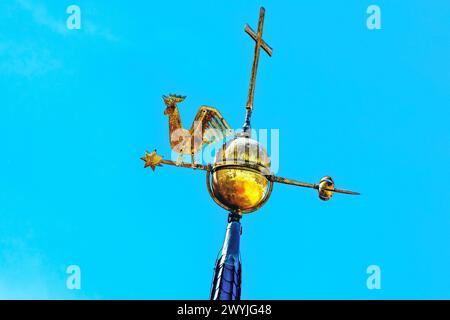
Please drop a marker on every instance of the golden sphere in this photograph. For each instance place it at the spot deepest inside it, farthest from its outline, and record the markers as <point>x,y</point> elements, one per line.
<point>238,175</point>
<point>326,186</point>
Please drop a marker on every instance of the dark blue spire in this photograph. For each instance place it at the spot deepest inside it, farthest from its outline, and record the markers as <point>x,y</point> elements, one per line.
<point>226,283</point>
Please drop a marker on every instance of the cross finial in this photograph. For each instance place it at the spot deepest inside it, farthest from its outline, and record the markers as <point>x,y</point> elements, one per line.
<point>260,43</point>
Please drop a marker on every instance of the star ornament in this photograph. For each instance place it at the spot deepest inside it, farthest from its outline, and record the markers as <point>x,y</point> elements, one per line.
<point>152,160</point>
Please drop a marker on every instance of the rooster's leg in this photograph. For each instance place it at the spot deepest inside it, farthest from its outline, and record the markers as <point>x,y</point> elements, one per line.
<point>193,161</point>
<point>192,152</point>
<point>180,157</point>
<point>193,165</point>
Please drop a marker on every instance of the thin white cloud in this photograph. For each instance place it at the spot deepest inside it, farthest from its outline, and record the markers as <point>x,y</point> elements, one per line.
<point>28,58</point>
<point>41,16</point>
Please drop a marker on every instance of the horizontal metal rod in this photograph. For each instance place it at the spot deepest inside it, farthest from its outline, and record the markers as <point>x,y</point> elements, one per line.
<point>346,192</point>
<point>185,165</point>
<point>294,182</point>
<point>309,185</point>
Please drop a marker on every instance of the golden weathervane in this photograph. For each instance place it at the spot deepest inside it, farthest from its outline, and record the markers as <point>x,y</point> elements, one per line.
<point>240,179</point>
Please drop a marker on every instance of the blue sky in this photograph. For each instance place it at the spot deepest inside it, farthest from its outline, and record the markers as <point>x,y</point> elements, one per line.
<point>79,107</point>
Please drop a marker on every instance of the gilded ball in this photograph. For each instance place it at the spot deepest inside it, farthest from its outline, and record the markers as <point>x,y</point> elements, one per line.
<point>238,179</point>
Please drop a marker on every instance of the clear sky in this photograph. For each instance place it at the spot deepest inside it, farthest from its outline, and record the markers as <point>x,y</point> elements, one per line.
<point>79,107</point>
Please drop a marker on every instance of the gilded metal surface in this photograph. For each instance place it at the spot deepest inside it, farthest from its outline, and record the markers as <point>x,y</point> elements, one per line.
<point>228,205</point>
<point>242,150</point>
<point>152,160</point>
<point>239,189</point>
<point>326,188</point>
<point>239,181</point>
<point>208,127</point>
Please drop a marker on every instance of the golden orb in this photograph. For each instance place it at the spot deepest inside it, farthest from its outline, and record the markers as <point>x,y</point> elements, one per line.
<point>326,187</point>
<point>239,181</point>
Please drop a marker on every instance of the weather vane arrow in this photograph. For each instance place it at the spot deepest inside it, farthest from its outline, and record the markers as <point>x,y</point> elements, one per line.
<point>325,186</point>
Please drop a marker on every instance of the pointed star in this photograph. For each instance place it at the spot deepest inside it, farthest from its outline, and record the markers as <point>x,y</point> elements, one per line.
<point>152,160</point>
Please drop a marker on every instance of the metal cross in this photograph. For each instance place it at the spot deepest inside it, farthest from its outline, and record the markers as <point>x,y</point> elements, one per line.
<point>260,43</point>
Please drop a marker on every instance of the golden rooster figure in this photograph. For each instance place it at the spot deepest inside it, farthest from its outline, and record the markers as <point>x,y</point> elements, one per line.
<point>208,127</point>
